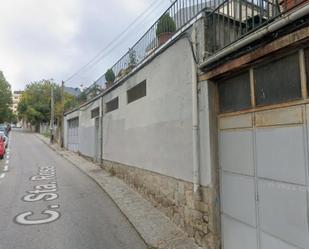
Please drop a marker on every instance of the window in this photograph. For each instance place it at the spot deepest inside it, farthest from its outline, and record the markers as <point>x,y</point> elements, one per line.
<point>95,112</point>
<point>112,105</point>
<point>234,93</point>
<point>278,81</point>
<point>137,92</point>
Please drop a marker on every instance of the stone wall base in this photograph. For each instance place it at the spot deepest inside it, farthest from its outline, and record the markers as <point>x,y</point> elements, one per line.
<point>195,213</point>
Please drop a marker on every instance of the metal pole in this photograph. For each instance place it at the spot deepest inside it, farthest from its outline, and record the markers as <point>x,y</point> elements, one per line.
<point>52,116</point>
<point>62,116</point>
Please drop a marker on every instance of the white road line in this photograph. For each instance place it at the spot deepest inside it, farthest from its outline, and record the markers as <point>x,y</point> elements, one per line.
<point>7,161</point>
<point>2,175</point>
<point>6,168</point>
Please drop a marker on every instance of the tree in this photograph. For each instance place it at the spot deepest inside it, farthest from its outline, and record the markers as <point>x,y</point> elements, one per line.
<point>34,106</point>
<point>5,100</point>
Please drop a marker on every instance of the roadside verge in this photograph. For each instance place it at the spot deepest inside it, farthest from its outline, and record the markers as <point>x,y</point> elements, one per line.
<point>157,230</point>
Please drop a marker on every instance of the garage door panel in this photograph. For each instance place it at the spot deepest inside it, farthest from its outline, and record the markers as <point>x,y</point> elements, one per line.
<point>283,212</point>
<point>238,197</point>
<point>237,158</point>
<point>270,242</point>
<point>237,235</point>
<point>280,154</point>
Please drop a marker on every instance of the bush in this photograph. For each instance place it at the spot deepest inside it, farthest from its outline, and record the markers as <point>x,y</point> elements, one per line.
<point>110,76</point>
<point>132,57</point>
<point>166,24</point>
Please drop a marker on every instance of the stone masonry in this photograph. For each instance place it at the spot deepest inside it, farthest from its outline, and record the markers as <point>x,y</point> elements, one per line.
<point>195,213</point>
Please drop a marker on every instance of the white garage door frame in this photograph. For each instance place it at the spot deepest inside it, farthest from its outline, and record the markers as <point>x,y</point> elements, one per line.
<point>264,172</point>
<point>262,198</point>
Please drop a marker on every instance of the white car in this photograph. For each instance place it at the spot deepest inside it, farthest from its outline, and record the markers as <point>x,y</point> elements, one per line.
<point>6,140</point>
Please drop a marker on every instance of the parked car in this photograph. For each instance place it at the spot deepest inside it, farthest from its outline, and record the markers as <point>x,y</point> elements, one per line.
<point>2,148</point>
<point>4,128</point>
<point>4,138</point>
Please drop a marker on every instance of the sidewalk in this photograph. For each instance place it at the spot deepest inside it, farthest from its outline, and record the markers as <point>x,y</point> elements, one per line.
<point>154,227</point>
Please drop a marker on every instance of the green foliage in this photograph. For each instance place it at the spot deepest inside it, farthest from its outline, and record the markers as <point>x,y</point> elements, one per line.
<point>34,105</point>
<point>132,57</point>
<point>166,24</point>
<point>110,76</point>
<point>5,100</point>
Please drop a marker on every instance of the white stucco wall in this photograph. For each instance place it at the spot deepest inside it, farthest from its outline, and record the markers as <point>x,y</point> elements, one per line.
<point>86,130</point>
<point>154,132</point>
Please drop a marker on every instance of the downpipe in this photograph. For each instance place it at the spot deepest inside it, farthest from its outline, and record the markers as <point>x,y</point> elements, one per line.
<point>101,131</point>
<point>291,17</point>
<point>195,116</point>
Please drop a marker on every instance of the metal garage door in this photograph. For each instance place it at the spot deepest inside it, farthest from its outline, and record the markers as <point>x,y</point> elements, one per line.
<point>263,169</point>
<point>73,143</point>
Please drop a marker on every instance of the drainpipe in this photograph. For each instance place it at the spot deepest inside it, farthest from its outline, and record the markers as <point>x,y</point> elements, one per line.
<point>291,17</point>
<point>101,132</point>
<point>195,118</point>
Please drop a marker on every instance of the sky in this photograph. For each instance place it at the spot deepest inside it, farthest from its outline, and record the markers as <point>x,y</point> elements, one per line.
<point>44,39</point>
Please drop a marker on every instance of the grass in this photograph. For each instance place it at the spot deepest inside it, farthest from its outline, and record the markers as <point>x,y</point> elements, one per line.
<point>46,134</point>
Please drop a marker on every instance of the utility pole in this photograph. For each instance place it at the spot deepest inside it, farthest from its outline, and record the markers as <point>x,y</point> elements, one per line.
<point>62,116</point>
<point>52,116</point>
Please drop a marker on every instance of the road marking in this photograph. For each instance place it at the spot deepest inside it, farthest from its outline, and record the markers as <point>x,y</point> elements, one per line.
<point>7,161</point>
<point>22,219</point>
<point>42,192</point>
<point>2,175</point>
<point>6,168</point>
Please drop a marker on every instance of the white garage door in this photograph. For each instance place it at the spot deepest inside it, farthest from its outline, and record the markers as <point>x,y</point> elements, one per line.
<point>263,167</point>
<point>73,142</point>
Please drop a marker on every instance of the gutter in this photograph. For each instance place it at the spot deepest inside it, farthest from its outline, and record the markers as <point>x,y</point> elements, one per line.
<point>289,18</point>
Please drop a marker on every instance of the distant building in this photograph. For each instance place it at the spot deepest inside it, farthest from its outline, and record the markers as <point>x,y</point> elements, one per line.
<point>16,99</point>
<point>75,91</point>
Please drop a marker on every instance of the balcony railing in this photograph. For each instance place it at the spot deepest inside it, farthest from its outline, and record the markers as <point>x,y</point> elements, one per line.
<point>234,19</point>
<point>227,21</point>
<point>180,13</point>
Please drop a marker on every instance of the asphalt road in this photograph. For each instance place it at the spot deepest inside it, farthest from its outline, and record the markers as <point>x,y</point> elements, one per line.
<point>47,203</point>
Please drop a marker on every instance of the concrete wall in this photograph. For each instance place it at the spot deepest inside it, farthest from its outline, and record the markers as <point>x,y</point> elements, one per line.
<point>154,132</point>
<point>148,142</point>
<point>86,130</point>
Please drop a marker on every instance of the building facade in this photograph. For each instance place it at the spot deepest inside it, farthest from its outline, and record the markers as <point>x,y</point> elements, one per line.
<point>213,129</point>
<point>16,99</point>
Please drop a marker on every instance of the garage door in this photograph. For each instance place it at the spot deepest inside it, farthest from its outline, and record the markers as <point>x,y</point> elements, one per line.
<point>263,156</point>
<point>73,142</point>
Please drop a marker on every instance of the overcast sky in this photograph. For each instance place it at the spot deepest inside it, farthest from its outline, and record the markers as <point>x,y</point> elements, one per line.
<point>43,39</point>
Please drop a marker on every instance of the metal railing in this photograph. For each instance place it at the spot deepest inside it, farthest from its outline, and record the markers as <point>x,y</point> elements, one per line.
<point>179,13</point>
<point>227,21</point>
<point>234,19</point>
